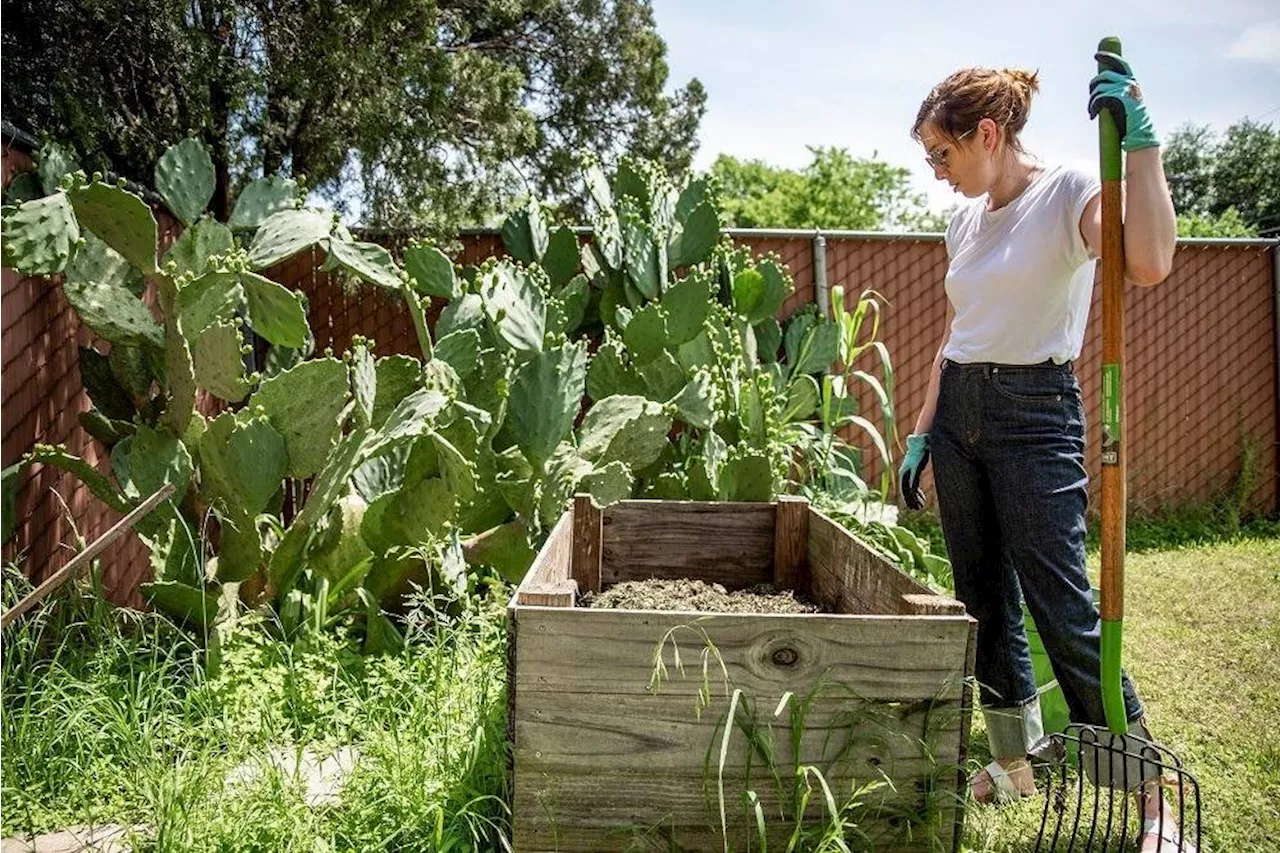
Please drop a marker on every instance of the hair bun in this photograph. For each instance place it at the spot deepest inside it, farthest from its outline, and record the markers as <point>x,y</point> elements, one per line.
<point>1022,77</point>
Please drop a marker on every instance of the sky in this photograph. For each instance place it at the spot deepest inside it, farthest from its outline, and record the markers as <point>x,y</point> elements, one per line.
<point>780,76</point>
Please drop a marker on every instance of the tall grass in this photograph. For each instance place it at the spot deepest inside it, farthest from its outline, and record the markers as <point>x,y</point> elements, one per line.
<point>114,716</point>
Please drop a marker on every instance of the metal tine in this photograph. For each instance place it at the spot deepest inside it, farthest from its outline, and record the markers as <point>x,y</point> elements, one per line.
<point>1075,828</point>
<point>1116,747</point>
<point>1125,787</point>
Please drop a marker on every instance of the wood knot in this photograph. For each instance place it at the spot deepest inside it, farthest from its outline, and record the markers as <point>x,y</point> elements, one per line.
<point>785,656</point>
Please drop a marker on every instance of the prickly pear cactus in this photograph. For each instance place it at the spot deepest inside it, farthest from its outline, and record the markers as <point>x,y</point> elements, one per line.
<point>53,162</point>
<point>696,236</point>
<point>611,372</point>
<point>515,306</point>
<point>185,179</point>
<point>197,246</point>
<point>286,233</point>
<point>568,308</point>
<point>121,219</point>
<point>663,377</point>
<point>696,402</point>
<point>525,234</point>
<point>545,396</point>
<point>368,261</point>
<point>431,271</point>
<point>275,312</point>
<point>98,289</point>
<point>685,304</point>
<point>631,430</point>
<point>303,404</point>
<point>40,236</point>
<point>562,257</point>
<point>646,333</point>
<point>243,460</point>
<point>461,350</point>
<point>640,249</point>
<point>219,363</point>
<point>204,301</point>
<point>262,199</point>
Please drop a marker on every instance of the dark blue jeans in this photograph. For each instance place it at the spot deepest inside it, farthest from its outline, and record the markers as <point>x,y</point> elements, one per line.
<point>1008,452</point>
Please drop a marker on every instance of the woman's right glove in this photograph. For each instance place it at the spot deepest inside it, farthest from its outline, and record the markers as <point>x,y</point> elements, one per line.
<point>1116,91</point>
<point>913,465</point>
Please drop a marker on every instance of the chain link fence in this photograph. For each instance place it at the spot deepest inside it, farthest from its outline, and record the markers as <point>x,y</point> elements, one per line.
<point>1200,382</point>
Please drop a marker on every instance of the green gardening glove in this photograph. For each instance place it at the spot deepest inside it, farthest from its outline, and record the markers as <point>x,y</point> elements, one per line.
<point>1116,91</point>
<point>912,469</point>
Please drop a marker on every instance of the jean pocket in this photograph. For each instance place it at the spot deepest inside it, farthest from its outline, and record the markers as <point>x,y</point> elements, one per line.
<point>1038,387</point>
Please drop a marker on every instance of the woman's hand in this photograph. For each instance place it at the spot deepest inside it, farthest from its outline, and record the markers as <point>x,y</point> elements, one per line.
<point>912,469</point>
<point>1150,224</point>
<point>1116,91</point>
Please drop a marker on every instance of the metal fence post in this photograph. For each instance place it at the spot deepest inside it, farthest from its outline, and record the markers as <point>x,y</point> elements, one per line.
<point>820,275</point>
<point>1275,286</point>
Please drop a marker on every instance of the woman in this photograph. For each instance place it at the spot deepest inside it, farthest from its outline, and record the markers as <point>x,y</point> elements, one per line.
<point>1003,419</point>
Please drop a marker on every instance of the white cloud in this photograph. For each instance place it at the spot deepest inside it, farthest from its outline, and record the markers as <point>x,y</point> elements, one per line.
<point>1260,42</point>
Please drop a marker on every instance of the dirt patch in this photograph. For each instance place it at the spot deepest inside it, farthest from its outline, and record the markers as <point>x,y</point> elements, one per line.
<point>699,596</point>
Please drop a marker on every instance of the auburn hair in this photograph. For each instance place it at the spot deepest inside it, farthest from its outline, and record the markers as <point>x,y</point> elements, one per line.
<point>958,103</point>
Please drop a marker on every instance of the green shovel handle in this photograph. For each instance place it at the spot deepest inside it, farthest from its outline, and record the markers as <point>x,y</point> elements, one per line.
<point>1113,455</point>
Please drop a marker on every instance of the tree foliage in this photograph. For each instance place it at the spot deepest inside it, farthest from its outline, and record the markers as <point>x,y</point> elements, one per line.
<point>1228,186</point>
<point>431,112</point>
<point>836,190</point>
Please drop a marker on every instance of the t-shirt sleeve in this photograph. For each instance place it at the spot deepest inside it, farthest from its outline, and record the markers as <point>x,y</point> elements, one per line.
<point>1078,189</point>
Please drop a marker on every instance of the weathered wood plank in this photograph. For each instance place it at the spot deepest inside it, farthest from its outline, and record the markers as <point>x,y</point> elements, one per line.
<point>665,734</point>
<point>726,543</point>
<point>561,593</point>
<point>581,815</point>
<point>542,584</point>
<point>790,543</point>
<point>875,657</point>
<point>848,575</point>
<point>587,530</point>
<point>937,605</point>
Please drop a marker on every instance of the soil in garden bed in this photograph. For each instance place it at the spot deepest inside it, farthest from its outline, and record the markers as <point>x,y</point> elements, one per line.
<point>700,596</point>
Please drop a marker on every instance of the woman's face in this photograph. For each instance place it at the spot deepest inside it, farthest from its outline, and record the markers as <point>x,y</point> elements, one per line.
<point>965,162</point>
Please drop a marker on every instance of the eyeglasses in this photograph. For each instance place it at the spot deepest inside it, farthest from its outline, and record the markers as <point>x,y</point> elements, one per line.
<point>938,157</point>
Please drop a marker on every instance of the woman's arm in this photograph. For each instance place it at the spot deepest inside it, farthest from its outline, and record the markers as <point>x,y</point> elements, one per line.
<point>924,422</point>
<point>1150,226</point>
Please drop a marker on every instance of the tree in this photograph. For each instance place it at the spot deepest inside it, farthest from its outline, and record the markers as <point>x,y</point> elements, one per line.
<point>836,190</point>
<point>1226,186</point>
<point>409,111</point>
<point>1228,224</point>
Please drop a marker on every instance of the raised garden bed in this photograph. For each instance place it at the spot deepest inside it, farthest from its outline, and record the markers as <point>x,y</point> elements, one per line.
<point>620,745</point>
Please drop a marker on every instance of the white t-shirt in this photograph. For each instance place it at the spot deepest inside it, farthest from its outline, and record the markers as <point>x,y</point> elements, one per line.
<point>1021,277</point>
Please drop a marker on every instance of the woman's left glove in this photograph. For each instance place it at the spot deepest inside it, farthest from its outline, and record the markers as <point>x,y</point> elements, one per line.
<point>912,469</point>
<point>1116,91</point>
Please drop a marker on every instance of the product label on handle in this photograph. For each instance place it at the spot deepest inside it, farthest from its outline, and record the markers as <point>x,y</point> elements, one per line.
<point>1110,414</point>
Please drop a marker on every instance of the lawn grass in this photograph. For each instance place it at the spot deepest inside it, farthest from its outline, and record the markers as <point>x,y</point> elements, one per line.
<point>1202,643</point>
<point>115,718</point>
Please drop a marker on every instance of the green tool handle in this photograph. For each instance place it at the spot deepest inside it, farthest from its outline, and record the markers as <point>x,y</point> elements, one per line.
<point>1113,449</point>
